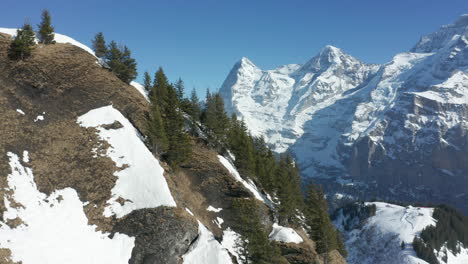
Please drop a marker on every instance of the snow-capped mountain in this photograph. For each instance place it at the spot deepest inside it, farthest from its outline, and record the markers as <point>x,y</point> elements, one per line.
<point>398,130</point>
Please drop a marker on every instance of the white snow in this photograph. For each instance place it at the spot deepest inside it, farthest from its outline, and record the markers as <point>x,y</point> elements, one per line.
<point>140,181</point>
<point>140,89</point>
<point>231,242</point>
<point>212,209</point>
<point>206,249</point>
<point>188,211</point>
<point>39,118</point>
<point>284,234</point>
<point>59,38</point>
<point>25,156</point>
<point>382,234</point>
<point>218,221</point>
<point>459,258</point>
<point>55,228</point>
<point>247,184</point>
<point>20,111</point>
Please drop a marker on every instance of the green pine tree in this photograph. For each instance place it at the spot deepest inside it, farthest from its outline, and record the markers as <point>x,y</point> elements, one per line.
<point>179,143</point>
<point>195,108</point>
<point>99,45</point>
<point>179,85</point>
<point>46,30</point>
<point>23,44</point>
<point>147,82</point>
<point>121,63</point>
<point>161,89</point>
<point>156,132</point>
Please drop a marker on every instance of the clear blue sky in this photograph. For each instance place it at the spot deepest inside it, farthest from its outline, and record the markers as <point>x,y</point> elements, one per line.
<point>200,40</point>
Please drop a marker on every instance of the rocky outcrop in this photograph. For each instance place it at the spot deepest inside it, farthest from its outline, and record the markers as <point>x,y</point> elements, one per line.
<point>162,234</point>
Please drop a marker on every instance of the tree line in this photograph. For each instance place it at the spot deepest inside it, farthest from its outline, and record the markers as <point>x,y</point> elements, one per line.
<point>451,230</point>
<point>24,42</point>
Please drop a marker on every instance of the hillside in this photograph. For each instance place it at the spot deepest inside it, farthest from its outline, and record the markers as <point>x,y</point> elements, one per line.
<point>80,185</point>
<point>395,131</point>
<point>388,232</point>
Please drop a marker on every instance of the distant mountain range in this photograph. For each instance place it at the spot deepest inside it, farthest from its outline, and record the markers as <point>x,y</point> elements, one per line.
<point>396,131</point>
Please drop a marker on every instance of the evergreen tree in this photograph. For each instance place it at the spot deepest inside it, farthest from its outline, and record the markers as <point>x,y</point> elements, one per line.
<point>289,191</point>
<point>99,45</point>
<point>322,231</point>
<point>121,63</point>
<point>403,246</point>
<point>161,89</point>
<point>130,64</point>
<point>46,31</point>
<point>156,132</point>
<point>195,109</point>
<point>241,145</point>
<point>257,247</point>
<point>23,44</point>
<point>214,116</point>
<point>179,143</point>
<point>180,89</point>
<point>147,82</point>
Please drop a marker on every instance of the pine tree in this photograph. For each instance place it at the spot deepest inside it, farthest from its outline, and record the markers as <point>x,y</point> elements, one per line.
<point>156,132</point>
<point>46,31</point>
<point>147,82</point>
<point>195,108</point>
<point>180,89</point>
<point>403,246</point>
<point>23,44</point>
<point>179,143</point>
<point>130,64</point>
<point>161,89</point>
<point>99,45</point>
<point>121,63</point>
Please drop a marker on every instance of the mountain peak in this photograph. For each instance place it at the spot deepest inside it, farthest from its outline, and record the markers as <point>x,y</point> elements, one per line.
<point>327,56</point>
<point>246,62</point>
<point>443,36</point>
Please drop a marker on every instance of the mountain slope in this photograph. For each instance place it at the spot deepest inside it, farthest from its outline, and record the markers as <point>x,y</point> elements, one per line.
<point>386,234</point>
<point>79,185</point>
<point>384,130</point>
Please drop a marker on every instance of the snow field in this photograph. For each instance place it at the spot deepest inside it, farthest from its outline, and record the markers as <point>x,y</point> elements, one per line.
<point>141,182</point>
<point>59,218</point>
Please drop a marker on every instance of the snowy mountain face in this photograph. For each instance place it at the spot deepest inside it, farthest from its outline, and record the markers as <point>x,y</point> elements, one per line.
<point>396,131</point>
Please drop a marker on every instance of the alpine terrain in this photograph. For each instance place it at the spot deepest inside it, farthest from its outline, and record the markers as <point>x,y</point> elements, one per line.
<point>96,168</point>
<point>397,131</point>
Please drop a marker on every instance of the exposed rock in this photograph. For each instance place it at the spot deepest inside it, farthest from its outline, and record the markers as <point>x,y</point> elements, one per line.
<point>162,235</point>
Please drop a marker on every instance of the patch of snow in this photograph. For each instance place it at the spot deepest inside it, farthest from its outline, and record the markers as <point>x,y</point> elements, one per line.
<point>212,209</point>
<point>140,89</point>
<point>25,156</point>
<point>218,221</point>
<point>206,249</point>
<point>20,111</point>
<point>39,118</point>
<point>231,242</point>
<point>188,211</point>
<point>54,231</point>
<point>247,184</point>
<point>284,234</point>
<point>140,181</point>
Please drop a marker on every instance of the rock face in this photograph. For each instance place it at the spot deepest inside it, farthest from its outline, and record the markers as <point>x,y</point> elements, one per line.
<point>162,235</point>
<point>396,131</point>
